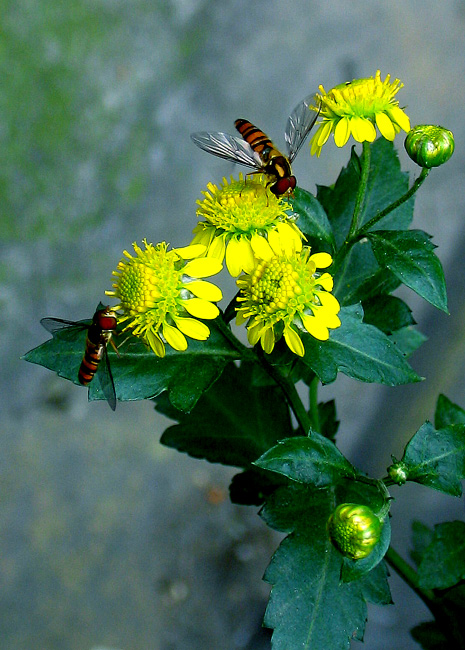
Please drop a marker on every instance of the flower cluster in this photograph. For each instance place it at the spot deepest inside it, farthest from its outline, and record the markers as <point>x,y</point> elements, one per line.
<point>356,108</point>
<point>161,295</point>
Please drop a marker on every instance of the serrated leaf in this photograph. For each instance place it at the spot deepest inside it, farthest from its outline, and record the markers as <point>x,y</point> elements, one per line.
<point>409,255</point>
<point>407,340</point>
<point>253,486</point>
<point>386,183</point>
<point>137,372</point>
<point>436,458</point>
<point>375,585</point>
<point>387,313</point>
<point>313,460</point>
<point>443,561</point>
<point>233,423</point>
<point>313,221</point>
<point>358,350</point>
<point>447,413</point>
<point>309,607</point>
<point>360,276</point>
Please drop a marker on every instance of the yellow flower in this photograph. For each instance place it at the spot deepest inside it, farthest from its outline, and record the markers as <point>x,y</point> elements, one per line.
<point>355,108</point>
<point>284,295</point>
<point>159,291</point>
<point>238,218</point>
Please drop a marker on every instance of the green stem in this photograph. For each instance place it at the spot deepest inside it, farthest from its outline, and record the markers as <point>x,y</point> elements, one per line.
<point>289,390</point>
<point>405,197</point>
<point>409,575</point>
<point>362,190</point>
<point>314,414</point>
<point>245,352</point>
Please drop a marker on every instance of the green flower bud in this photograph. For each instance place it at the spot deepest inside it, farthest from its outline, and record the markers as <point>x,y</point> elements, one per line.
<point>398,472</point>
<point>354,530</point>
<point>429,145</point>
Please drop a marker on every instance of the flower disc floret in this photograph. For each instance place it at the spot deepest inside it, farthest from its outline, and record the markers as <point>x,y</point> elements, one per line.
<point>238,217</point>
<point>356,108</point>
<point>285,295</point>
<point>159,291</point>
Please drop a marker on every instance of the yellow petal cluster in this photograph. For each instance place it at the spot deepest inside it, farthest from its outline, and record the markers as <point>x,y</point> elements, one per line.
<point>285,295</point>
<point>161,294</point>
<point>239,217</point>
<point>356,108</point>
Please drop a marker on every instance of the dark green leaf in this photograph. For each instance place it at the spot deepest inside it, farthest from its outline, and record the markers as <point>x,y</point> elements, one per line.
<point>407,340</point>
<point>443,562</point>
<point>233,423</point>
<point>137,372</point>
<point>253,486</point>
<point>386,183</point>
<point>409,255</point>
<point>447,413</point>
<point>309,607</point>
<point>358,350</point>
<point>387,313</point>
<point>430,637</point>
<point>436,458</point>
<point>313,221</point>
<point>314,460</point>
<point>329,424</point>
<point>422,536</point>
<point>375,585</point>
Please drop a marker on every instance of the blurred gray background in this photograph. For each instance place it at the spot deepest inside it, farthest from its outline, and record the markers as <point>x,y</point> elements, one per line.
<point>107,539</point>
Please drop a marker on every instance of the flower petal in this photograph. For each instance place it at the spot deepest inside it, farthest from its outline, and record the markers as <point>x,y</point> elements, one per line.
<point>315,327</point>
<point>193,328</point>
<point>191,251</point>
<point>342,132</point>
<point>200,308</point>
<point>233,257</point>
<point>174,337</point>
<point>205,290</point>
<point>385,126</point>
<point>362,129</point>
<point>267,340</point>
<point>203,267</point>
<point>261,247</point>
<point>294,341</point>
<point>398,116</point>
<point>321,260</point>
<point>156,343</point>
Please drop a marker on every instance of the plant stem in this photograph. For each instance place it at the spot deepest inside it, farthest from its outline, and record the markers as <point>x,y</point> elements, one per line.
<point>362,189</point>
<point>314,414</point>
<point>409,575</point>
<point>289,390</point>
<point>405,197</point>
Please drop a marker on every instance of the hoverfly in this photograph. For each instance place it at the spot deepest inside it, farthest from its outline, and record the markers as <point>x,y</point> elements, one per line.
<point>95,359</point>
<point>257,150</point>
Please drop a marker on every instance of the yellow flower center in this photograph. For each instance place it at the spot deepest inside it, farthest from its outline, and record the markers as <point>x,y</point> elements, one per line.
<point>241,206</point>
<point>281,287</point>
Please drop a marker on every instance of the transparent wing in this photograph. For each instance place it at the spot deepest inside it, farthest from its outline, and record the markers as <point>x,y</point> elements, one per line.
<point>105,378</point>
<point>228,147</point>
<point>299,125</point>
<point>53,325</point>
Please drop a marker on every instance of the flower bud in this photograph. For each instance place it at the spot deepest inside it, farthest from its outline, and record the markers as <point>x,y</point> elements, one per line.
<point>354,530</point>
<point>429,145</point>
<point>398,472</point>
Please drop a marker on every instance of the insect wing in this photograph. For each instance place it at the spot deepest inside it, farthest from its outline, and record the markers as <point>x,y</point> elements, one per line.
<point>299,125</point>
<point>105,378</point>
<point>53,325</point>
<point>228,147</point>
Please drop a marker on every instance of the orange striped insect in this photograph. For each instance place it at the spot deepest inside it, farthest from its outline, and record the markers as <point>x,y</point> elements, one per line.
<point>256,150</point>
<point>95,360</point>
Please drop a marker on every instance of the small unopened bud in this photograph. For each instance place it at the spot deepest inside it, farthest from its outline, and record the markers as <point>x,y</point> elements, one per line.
<point>429,145</point>
<point>354,530</point>
<point>398,472</point>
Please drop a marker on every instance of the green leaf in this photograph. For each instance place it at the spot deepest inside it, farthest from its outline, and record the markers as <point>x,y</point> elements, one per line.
<point>386,183</point>
<point>422,536</point>
<point>309,607</point>
<point>358,350</point>
<point>409,255</point>
<point>436,458</point>
<point>233,423</point>
<point>313,221</point>
<point>407,340</point>
<point>447,413</point>
<point>430,637</point>
<point>314,460</point>
<point>387,313</point>
<point>443,562</point>
<point>375,586</point>
<point>137,372</point>
<point>253,486</point>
